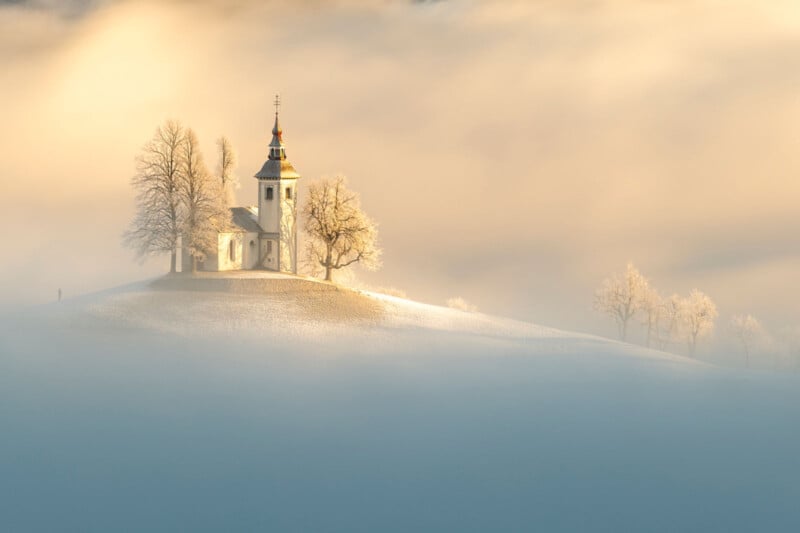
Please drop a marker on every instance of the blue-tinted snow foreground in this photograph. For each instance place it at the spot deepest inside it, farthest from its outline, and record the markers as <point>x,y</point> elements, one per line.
<point>277,404</point>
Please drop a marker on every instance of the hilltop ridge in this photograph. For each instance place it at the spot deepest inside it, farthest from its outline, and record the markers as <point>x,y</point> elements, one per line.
<point>289,308</point>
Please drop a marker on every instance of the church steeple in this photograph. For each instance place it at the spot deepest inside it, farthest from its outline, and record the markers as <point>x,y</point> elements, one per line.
<point>277,205</point>
<point>277,152</point>
<point>277,166</point>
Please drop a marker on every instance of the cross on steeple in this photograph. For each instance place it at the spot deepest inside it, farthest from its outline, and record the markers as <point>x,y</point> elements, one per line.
<point>276,149</point>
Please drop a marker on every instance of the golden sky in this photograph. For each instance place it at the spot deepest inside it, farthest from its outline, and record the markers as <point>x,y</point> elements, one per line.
<point>513,153</point>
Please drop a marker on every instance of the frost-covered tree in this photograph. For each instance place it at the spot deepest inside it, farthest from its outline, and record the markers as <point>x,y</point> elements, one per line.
<point>461,304</point>
<point>338,232</point>
<point>158,221</point>
<point>225,168</point>
<point>653,312</point>
<point>203,202</point>
<point>621,297</point>
<point>697,314</point>
<point>746,329</point>
<point>669,323</point>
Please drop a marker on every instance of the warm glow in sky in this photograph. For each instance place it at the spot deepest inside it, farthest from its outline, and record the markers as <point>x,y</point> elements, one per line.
<point>514,153</point>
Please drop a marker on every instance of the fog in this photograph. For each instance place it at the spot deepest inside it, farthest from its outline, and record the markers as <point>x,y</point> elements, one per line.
<point>514,153</point>
<point>109,425</point>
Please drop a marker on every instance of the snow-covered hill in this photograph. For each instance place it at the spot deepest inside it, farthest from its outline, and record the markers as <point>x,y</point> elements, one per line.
<point>287,309</point>
<point>270,403</point>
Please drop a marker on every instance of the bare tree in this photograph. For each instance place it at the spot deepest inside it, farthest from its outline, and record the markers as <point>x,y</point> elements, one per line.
<point>652,307</point>
<point>339,232</point>
<point>747,329</point>
<point>697,316</point>
<point>461,304</point>
<point>227,163</point>
<point>622,297</point>
<point>202,198</point>
<point>156,227</point>
<point>669,323</point>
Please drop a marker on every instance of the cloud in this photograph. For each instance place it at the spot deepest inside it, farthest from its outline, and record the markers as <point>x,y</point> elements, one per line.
<point>513,152</point>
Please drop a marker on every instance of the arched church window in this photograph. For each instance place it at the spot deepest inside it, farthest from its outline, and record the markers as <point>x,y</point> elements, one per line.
<point>232,251</point>
<point>269,193</point>
<point>288,193</point>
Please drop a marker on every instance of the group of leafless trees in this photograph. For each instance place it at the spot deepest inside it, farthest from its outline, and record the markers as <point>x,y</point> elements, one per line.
<point>629,297</point>
<point>763,348</point>
<point>179,202</point>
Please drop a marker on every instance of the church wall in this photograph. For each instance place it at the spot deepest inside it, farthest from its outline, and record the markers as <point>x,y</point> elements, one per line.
<point>288,242</point>
<point>270,252</point>
<point>224,261</point>
<point>234,251</point>
<point>268,210</point>
<point>278,216</point>
<point>288,227</point>
<point>245,256</point>
<point>250,250</point>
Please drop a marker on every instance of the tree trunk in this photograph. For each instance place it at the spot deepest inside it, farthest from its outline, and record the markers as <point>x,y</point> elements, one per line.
<point>173,261</point>
<point>328,263</point>
<point>194,264</point>
<point>624,332</point>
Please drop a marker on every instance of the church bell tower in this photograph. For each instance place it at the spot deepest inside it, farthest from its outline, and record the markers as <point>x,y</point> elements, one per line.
<point>277,205</point>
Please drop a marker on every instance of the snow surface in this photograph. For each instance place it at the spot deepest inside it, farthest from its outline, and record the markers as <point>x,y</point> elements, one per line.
<point>253,403</point>
<point>283,308</point>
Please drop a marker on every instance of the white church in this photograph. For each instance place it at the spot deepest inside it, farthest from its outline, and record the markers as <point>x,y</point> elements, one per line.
<point>263,237</point>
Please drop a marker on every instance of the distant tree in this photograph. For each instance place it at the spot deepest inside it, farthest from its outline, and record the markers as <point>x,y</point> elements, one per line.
<point>653,312</point>
<point>339,232</point>
<point>621,297</point>
<point>225,167</point>
<point>669,323</point>
<point>462,305</point>
<point>697,314</point>
<point>746,329</point>
<point>203,201</point>
<point>157,224</point>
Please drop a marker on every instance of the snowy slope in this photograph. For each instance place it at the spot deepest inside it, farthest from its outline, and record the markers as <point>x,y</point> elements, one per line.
<point>284,308</point>
<point>276,404</point>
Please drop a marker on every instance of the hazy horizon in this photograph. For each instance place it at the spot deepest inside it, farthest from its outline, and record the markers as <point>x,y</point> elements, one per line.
<point>513,153</point>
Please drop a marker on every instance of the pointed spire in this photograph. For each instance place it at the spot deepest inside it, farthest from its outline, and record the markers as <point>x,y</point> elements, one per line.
<point>277,166</point>
<point>277,131</point>
<point>276,148</point>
